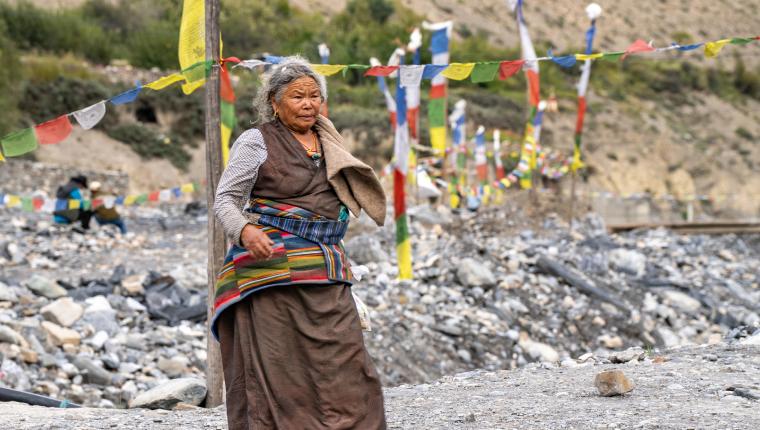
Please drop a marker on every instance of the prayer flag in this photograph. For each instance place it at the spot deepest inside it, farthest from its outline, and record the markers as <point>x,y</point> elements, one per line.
<point>90,116</point>
<point>53,131</point>
<point>19,143</point>
<point>127,96</point>
<point>484,72</point>
<point>161,83</point>
<point>509,68</point>
<point>636,47</point>
<point>458,71</point>
<point>380,70</point>
<point>192,41</point>
<point>713,48</point>
<point>328,69</point>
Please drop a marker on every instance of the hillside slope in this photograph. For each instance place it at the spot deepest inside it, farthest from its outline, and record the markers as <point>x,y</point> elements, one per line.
<point>680,142</point>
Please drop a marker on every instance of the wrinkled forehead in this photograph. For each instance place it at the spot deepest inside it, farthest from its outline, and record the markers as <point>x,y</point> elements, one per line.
<point>302,84</point>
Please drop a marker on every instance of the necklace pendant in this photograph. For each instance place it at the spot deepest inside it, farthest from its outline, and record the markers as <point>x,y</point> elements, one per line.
<point>316,156</point>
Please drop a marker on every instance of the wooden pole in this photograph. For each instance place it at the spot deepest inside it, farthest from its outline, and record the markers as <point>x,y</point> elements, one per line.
<point>214,376</point>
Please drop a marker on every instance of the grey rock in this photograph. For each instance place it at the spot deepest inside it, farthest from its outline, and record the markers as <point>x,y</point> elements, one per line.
<point>366,249</point>
<point>46,287</point>
<point>630,354</point>
<point>472,273</point>
<point>626,260</point>
<point>92,372</point>
<point>165,396</point>
<point>681,301</point>
<point>8,335</point>
<point>7,294</point>
<point>104,320</point>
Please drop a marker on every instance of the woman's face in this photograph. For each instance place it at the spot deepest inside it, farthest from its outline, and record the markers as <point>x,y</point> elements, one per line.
<point>300,104</point>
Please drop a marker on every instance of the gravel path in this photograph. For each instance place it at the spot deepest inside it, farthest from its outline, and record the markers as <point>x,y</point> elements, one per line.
<point>696,387</point>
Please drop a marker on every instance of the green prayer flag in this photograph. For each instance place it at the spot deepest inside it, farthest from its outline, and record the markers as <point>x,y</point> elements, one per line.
<point>19,143</point>
<point>197,71</point>
<point>26,204</point>
<point>228,114</point>
<point>86,205</point>
<point>484,72</point>
<point>612,56</point>
<point>437,112</point>
<point>741,40</point>
<point>142,198</point>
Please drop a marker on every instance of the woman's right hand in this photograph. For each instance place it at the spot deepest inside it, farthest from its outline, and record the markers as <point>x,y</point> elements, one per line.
<point>258,244</point>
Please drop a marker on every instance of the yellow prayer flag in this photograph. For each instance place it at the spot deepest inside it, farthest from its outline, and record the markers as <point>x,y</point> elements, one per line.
<point>13,201</point>
<point>713,48</point>
<point>1,157</point>
<point>458,71</point>
<point>187,188</point>
<point>192,39</point>
<point>226,134</point>
<point>328,69</point>
<point>130,200</point>
<point>438,140</point>
<point>163,82</point>
<point>584,57</point>
<point>74,204</point>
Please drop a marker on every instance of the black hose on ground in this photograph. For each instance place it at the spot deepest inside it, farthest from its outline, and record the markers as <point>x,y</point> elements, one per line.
<point>9,395</point>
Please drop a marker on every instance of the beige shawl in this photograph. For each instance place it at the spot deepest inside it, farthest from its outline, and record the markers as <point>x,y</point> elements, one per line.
<point>355,183</point>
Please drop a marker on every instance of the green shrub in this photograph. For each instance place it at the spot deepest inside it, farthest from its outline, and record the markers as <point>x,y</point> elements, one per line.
<point>9,88</point>
<point>46,100</point>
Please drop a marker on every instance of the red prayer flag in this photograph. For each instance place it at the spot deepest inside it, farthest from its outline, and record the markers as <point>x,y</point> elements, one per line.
<point>380,70</point>
<point>581,114</point>
<point>509,68</point>
<point>438,91</point>
<point>38,202</point>
<point>533,87</point>
<point>638,46</point>
<point>53,131</point>
<point>225,88</point>
<point>153,197</point>
<point>411,119</point>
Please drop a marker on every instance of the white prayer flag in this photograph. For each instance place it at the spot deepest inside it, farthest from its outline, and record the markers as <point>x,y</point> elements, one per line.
<point>89,117</point>
<point>411,76</point>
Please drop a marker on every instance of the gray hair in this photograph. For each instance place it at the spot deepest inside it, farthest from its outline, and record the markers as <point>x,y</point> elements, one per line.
<point>274,82</point>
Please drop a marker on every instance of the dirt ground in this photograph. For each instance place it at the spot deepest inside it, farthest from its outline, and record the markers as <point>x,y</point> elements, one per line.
<point>700,387</point>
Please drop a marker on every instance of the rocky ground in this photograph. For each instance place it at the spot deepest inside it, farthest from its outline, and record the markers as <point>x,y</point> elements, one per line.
<point>101,319</point>
<point>705,387</point>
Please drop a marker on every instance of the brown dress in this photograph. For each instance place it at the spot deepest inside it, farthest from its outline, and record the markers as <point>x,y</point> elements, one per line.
<point>294,356</point>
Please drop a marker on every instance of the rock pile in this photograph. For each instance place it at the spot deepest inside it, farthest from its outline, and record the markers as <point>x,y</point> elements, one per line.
<point>494,292</point>
<point>100,318</point>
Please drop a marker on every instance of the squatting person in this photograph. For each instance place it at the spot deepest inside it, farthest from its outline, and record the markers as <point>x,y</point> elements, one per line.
<point>292,348</point>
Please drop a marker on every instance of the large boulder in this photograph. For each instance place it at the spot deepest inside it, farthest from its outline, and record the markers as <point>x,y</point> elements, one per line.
<point>166,396</point>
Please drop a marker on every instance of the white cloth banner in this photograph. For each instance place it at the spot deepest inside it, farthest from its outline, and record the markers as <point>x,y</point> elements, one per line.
<point>411,76</point>
<point>164,195</point>
<point>89,117</point>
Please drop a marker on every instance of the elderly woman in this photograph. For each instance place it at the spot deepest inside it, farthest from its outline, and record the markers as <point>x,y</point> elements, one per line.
<point>292,347</point>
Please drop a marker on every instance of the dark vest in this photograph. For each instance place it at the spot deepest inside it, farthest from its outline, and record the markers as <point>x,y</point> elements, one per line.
<point>290,176</point>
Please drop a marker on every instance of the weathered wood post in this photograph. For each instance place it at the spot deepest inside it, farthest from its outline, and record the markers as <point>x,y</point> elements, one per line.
<point>214,376</point>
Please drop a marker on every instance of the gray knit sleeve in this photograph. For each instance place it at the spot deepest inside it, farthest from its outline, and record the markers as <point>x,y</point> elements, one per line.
<point>248,153</point>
